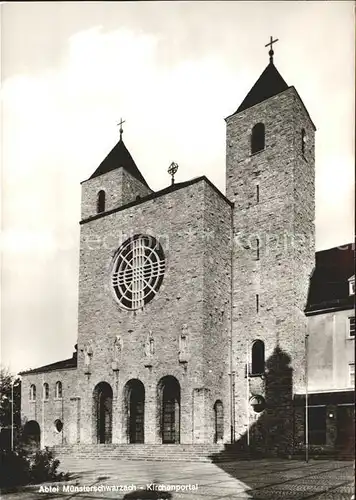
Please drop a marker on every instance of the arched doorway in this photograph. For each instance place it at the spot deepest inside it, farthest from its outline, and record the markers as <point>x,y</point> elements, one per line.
<point>134,400</point>
<point>32,435</point>
<point>169,409</point>
<point>219,421</point>
<point>103,412</point>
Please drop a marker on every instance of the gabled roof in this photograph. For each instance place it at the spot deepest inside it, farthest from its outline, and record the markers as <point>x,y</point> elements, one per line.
<point>119,157</point>
<point>59,365</point>
<point>270,83</point>
<point>329,283</point>
<point>157,194</point>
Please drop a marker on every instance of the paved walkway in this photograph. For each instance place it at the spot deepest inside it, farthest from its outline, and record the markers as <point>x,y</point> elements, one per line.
<point>262,479</point>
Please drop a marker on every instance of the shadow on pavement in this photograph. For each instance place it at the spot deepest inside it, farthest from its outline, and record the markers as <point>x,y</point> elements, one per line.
<point>150,493</point>
<point>271,436</point>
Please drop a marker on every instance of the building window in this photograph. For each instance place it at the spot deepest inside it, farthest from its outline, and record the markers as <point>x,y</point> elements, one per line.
<point>101,202</point>
<point>45,391</point>
<point>258,193</point>
<point>58,425</point>
<point>258,403</point>
<point>317,425</point>
<point>352,326</point>
<point>32,392</point>
<point>258,138</point>
<point>304,140</point>
<point>258,358</point>
<point>351,374</point>
<point>59,391</point>
<point>219,421</point>
<point>138,271</point>
<point>352,285</point>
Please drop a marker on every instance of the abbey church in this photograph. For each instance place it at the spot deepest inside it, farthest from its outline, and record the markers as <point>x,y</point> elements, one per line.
<point>199,319</point>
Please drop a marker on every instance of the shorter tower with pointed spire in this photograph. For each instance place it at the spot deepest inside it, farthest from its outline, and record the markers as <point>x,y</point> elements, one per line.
<point>116,182</point>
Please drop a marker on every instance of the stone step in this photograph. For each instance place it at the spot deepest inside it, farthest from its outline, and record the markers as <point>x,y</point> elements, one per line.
<point>159,452</point>
<point>174,452</point>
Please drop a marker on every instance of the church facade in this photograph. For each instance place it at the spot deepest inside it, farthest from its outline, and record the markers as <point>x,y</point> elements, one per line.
<point>192,324</point>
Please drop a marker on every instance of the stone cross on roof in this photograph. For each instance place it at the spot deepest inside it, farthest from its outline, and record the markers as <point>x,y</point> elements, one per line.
<point>121,130</point>
<point>270,44</point>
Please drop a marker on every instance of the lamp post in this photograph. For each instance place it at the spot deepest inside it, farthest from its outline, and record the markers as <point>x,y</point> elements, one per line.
<point>12,414</point>
<point>306,401</point>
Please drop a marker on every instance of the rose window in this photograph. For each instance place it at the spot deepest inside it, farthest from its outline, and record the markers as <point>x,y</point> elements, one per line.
<point>138,271</point>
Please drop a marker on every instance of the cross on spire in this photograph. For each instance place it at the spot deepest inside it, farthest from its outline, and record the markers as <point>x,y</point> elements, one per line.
<point>271,52</point>
<point>121,130</point>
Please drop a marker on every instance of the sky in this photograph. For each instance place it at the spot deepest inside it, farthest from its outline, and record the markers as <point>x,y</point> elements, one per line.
<point>173,71</point>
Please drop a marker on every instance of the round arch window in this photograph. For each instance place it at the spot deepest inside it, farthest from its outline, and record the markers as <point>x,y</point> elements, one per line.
<point>58,424</point>
<point>138,272</point>
<point>258,403</point>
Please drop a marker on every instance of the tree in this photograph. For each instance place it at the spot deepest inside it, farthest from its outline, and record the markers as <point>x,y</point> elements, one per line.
<point>6,382</point>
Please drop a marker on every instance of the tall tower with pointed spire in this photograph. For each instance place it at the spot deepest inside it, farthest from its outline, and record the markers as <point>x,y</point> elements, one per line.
<point>270,179</point>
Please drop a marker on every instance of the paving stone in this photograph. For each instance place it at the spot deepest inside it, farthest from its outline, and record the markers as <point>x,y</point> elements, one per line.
<point>328,480</point>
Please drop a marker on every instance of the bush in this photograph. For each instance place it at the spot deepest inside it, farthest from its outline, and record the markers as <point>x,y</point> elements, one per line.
<point>14,468</point>
<point>43,467</point>
<point>22,467</point>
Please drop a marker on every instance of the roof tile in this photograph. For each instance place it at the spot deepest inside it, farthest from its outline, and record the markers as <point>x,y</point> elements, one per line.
<point>270,83</point>
<point>119,157</point>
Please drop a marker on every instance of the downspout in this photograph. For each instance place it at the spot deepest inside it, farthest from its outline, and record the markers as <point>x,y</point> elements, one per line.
<point>62,417</point>
<point>306,400</point>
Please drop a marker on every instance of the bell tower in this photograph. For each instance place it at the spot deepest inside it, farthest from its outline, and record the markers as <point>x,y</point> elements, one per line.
<point>270,179</point>
<point>116,182</point>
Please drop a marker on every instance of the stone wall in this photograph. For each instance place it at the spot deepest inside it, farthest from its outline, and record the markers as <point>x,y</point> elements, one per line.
<point>46,412</point>
<point>120,188</point>
<point>132,188</point>
<point>178,220</point>
<point>217,307</point>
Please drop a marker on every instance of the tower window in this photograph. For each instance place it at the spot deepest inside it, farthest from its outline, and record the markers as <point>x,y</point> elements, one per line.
<point>257,302</point>
<point>59,391</point>
<point>101,202</point>
<point>304,140</point>
<point>258,358</point>
<point>257,249</point>
<point>258,138</point>
<point>258,193</point>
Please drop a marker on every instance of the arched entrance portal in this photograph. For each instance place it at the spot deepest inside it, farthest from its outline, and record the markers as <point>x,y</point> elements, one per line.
<point>134,400</point>
<point>219,421</point>
<point>169,408</point>
<point>103,412</point>
<point>32,435</point>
